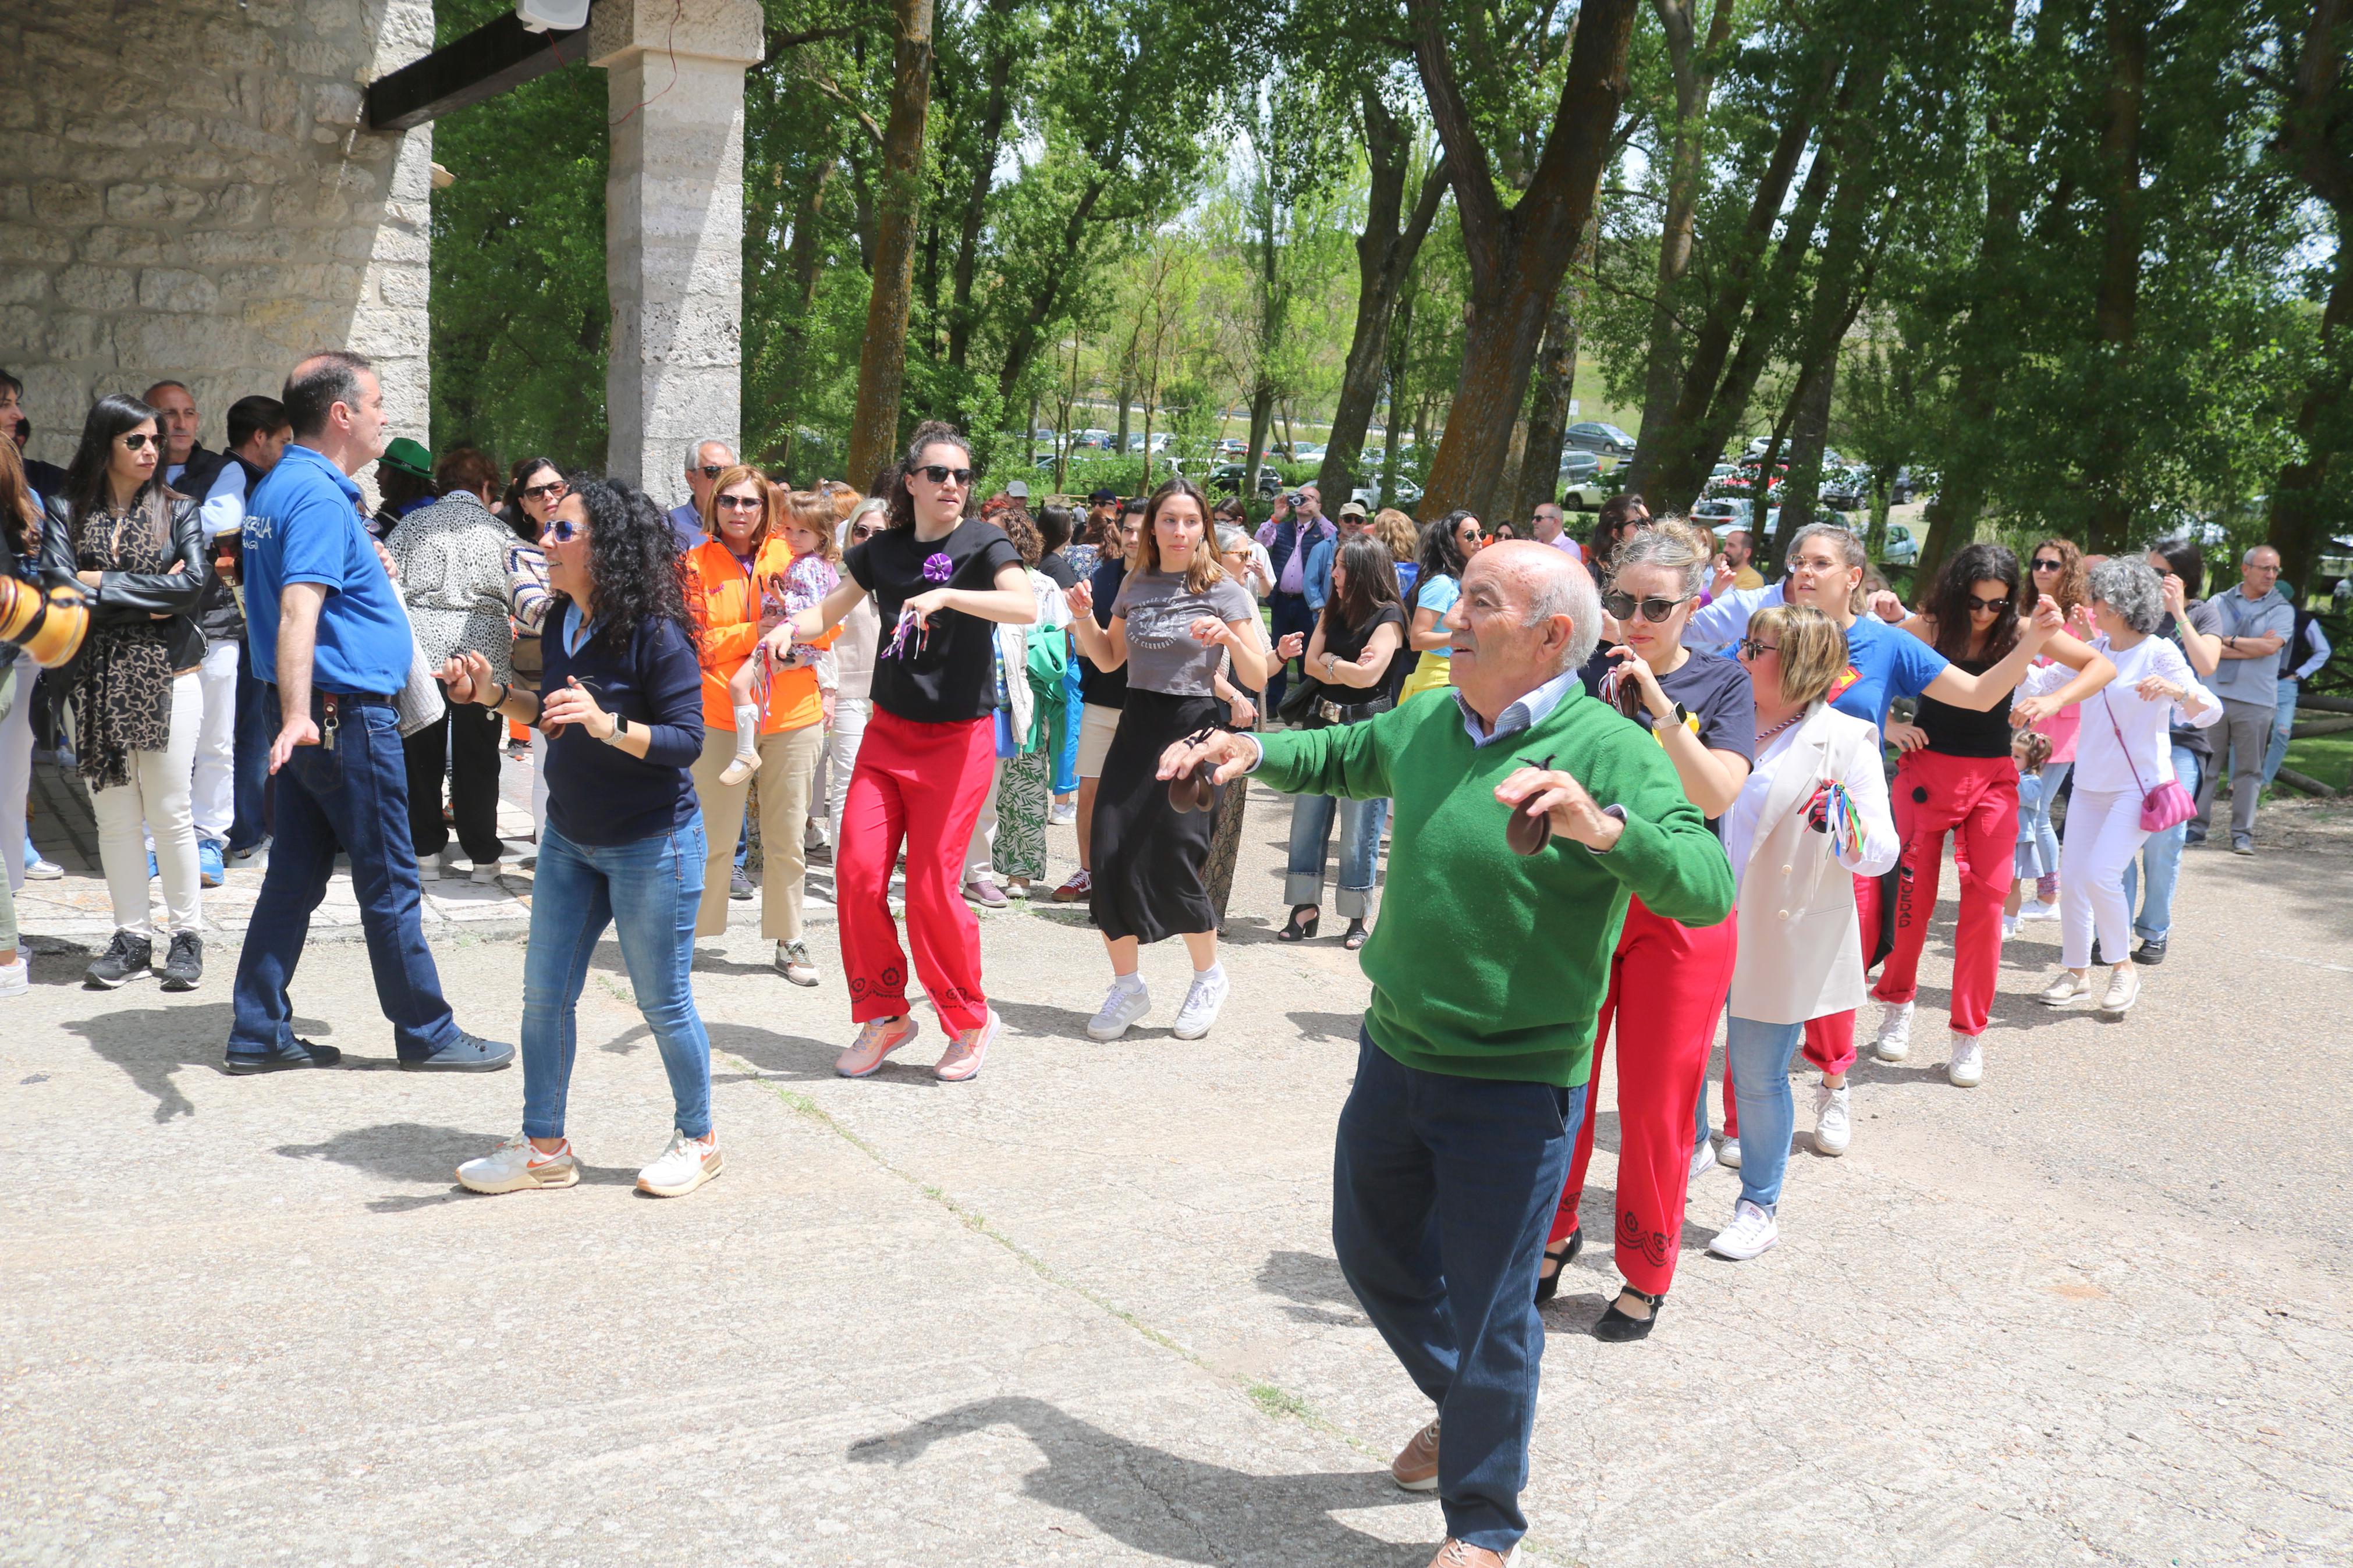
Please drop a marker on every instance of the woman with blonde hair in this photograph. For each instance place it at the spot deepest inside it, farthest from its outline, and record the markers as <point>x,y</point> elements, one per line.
<point>1398,536</point>
<point>1447,546</point>
<point>2055,567</point>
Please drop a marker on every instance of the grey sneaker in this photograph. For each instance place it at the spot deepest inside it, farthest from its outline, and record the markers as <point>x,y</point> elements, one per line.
<point>793,962</point>
<point>125,956</point>
<point>183,965</point>
<point>466,1053</point>
<point>739,886</point>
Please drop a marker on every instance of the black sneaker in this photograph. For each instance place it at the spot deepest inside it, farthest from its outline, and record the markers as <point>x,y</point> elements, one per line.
<point>125,956</point>
<point>2150,951</point>
<point>184,966</point>
<point>466,1053</point>
<point>739,886</point>
<point>244,1064</point>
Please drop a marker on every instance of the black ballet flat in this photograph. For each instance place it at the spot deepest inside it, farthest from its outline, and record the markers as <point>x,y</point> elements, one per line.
<point>1547,1288</point>
<point>1296,930</point>
<point>1618,1327</point>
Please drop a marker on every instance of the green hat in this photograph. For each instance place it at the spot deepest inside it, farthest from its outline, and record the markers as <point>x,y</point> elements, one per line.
<point>407,457</point>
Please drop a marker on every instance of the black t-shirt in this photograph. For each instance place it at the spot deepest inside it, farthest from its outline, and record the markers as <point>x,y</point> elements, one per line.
<point>1104,688</point>
<point>1715,694</point>
<point>1054,566</point>
<point>1347,645</point>
<point>1964,732</point>
<point>946,674</point>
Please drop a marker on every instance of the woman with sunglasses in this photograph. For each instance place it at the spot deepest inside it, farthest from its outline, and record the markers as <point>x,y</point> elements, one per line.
<point>1955,776</point>
<point>137,549</point>
<point>1447,546</point>
<point>1702,712</point>
<point>739,579</point>
<point>941,579</point>
<point>2056,566</point>
<point>1177,618</point>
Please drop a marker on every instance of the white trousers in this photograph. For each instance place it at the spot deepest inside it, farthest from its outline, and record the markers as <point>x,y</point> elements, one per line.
<point>155,799</point>
<point>2103,834</point>
<point>17,768</point>
<point>840,759</point>
<point>212,793</point>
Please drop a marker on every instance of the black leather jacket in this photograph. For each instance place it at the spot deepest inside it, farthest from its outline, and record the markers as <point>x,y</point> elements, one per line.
<point>139,595</point>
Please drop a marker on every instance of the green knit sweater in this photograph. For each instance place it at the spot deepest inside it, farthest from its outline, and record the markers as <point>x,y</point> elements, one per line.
<point>1487,963</point>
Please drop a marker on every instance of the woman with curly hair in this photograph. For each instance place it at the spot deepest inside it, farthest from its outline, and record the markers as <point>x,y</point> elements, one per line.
<point>624,846</point>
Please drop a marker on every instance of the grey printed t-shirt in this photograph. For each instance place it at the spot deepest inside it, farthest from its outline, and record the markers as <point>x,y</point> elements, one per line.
<point>1162,653</point>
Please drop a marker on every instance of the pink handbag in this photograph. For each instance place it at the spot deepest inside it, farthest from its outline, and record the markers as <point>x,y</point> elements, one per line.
<point>2162,807</point>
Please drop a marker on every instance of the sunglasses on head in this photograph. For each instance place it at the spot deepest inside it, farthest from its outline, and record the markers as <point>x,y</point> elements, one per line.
<point>940,474</point>
<point>137,441</point>
<point>1988,607</point>
<point>1751,648</point>
<point>2048,563</point>
<point>1621,607</point>
<point>739,503</point>
<point>553,490</point>
<point>563,531</point>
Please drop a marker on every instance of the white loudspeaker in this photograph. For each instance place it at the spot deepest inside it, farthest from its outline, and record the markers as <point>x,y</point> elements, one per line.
<point>552,15</point>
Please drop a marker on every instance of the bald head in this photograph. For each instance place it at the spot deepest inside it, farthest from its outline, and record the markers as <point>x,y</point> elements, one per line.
<point>1526,614</point>
<point>1541,583</point>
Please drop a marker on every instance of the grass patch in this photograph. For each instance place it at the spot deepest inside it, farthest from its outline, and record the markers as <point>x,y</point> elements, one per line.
<point>2328,758</point>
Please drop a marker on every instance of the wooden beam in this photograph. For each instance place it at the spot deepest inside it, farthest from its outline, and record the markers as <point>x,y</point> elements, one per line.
<point>486,62</point>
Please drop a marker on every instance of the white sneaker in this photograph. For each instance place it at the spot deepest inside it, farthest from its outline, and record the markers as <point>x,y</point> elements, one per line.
<point>1894,1032</point>
<point>684,1165</point>
<point>1129,1000</point>
<point>444,865</point>
<point>1965,1064</point>
<point>486,871</point>
<point>515,1167</point>
<point>2124,989</point>
<point>2068,988</point>
<point>1750,1231</point>
<point>41,868</point>
<point>2008,927</point>
<point>2036,909</point>
<point>1065,815</point>
<point>1202,999</point>
<point>1833,1118</point>
<point>17,978</point>
<point>1702,1159</point>
<point>1727,1153</point>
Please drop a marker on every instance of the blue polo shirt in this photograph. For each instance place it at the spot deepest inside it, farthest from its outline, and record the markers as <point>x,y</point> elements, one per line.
<point>302,524</point>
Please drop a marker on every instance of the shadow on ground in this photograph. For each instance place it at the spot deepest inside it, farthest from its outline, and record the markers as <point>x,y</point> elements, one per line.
<point>415,1153</point>
<point>152,1044</point>
<point>1314,1285</point>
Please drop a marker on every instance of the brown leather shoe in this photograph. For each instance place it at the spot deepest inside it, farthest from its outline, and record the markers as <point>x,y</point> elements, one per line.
<point>1461,1554</point>
<point>1415,1467</point>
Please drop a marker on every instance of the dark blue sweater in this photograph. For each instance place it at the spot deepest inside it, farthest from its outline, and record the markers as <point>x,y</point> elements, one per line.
<point>599,794</point>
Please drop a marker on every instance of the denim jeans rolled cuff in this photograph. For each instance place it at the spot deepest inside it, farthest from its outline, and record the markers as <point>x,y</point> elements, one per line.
<point>2162,853</point>
<point>647,892</point>
<point>1430,1167</point>
<point>1360,822</point>
<point>1757,1056</point>
<point>352,796</point>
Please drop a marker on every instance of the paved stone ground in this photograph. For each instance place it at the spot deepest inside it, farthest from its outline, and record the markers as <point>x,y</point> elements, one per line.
<point>1083,1310</point>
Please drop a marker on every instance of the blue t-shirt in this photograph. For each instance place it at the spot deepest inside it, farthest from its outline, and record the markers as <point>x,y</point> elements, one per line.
<point>1440,594</point>
<point>302,524</point>
<point>1884,663</point>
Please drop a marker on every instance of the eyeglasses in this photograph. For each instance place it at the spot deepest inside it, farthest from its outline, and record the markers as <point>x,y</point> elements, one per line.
<point>1751,648</point>
<point>2048,563</point>
<point>1987,606</point>
<point>553,490</point>
<point>739,503</point>
<point>137,441</point>
<point>563,531</point>
<point>1621,607</point>
<point>940,474</point>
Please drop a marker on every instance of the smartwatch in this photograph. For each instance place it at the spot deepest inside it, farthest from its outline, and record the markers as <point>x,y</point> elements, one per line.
<point>620,728</point>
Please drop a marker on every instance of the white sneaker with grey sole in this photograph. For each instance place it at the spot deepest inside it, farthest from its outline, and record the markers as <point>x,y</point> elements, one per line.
<point>1129,1000</point>
<point>1965,1064</point>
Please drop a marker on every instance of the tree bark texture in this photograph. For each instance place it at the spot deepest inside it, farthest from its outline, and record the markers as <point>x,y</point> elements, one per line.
<point>882,359</point>
<point>1556,379</point>
<point>2115,307</point>
<point>989,136</point>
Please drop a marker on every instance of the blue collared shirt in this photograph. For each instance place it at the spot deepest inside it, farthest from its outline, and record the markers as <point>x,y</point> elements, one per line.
<point>1525,713</point>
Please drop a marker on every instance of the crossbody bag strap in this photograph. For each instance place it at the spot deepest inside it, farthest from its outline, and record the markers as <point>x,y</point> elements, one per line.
<point>2111,709</point>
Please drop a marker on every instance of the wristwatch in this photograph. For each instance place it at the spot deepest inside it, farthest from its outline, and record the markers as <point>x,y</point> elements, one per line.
<point>620,728</point>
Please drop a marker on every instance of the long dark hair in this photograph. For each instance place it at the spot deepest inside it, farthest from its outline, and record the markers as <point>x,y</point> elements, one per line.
<point>930,433</point>
<point>109,417</point>
<point>1372,583</point>
<point>511,511</point>
<point>1441,555</point>
<point>1948,601</point>
<point>1204,569</point>
<point>633,558</point>
<point>20,521</point>
<point>1603,542</point>
<point>2182,552</point>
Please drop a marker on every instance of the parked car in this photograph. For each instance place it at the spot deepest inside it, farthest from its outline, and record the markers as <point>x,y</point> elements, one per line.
<point>1309,452</point>
<point>1600,438</point>
<point>1233,447</point>
<point>1229,477</point>
<point>1722,513</point>
<point>1368,495</point>
<point>1041,434</point>
<point>1902,550</point>
<point>1090,441</point>
<point>1156,442</point>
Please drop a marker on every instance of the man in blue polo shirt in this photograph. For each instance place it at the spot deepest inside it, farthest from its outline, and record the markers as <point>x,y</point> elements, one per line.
<point>326,628</point>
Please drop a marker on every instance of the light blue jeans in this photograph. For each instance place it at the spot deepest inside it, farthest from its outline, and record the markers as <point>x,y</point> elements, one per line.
<point>1360,851</point>
<point>647,891</point>
<point>2282,723</point>
<point>1759,1056</point>
<point>2038,821</point>
<point>2162,851</point>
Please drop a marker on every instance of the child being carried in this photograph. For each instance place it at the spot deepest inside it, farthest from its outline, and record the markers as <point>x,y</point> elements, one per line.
<point>813,574</point>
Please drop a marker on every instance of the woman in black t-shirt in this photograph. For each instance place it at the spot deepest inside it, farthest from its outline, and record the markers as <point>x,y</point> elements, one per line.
<point>1667,981</point>
<point>940,579</point>
<point>1358,653</point>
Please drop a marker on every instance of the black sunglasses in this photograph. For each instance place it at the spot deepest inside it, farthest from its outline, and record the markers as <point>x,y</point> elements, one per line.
<point>740,503</point>
<point>1621,607</point>
<point>865,530</point>
<point>137,441</point>
<point>940,474</point>
<point>2048,563</point>
<point>711,470</point>
<point>551,489</point>
<point>1751,648</point>
<point>1991,607</point>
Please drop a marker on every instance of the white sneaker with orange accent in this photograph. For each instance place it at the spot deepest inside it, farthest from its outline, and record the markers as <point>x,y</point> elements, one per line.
<point>876,1040</point>
<point>514,1166</point>
<point>969,1049</point>
<point>684,1165</point>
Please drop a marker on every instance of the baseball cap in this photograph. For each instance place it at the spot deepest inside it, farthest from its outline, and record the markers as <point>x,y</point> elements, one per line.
<point>1106,494</point>
<point>1018,490</point>
<point>1354,509</point>
<point>407,457</point>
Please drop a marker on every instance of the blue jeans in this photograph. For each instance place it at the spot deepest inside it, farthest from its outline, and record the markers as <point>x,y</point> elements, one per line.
<point>352,796</point>
<point>2038,820</point>
<point>647,891</point>
<point>2162,851</point>
<point>1757,1056</point>
<point>1360,851</point>
<point>1442,1188</point>
<point>1066,761</point>
<point>2281,724</point>
<point>249,780</point>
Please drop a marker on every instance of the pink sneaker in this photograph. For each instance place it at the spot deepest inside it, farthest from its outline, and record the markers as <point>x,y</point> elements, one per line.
<point>876,1040</point>
<point>969,1049</point>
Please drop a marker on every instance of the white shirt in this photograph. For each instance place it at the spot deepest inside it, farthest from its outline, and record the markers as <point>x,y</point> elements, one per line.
<point>2125,744</point>
<point>1724,622</point>
<point>1866,786</point>
<point>2316,640</point>
<point>223,507</point>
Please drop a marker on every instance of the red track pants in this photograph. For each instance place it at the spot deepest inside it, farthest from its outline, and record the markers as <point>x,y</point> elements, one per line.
<point>1829,1039</point>
<point>923,784</point>
<point>1676,977</point>
<point>1975,799</point>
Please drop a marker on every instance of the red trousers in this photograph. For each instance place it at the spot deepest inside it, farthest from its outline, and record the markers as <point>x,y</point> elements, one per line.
<point>923,784</point>
<point>1675,978</point>
<point>1975,800</point>
<point>1829,1039</point>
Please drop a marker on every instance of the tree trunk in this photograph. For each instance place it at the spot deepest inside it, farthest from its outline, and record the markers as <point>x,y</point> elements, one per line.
<point>984,179</point>
<point>1392,434</point>
<point>1261,418</point>
<point>1809,433</point>
<point>882,359</point>
<point>1556,378</point>
<point>2115,309</point>
<point>1029,331</point>
<point>1517,256</point>
<point>1694,78</point>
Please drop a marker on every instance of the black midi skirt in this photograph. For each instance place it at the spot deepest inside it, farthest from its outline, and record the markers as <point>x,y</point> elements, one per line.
<point>1149,858</point>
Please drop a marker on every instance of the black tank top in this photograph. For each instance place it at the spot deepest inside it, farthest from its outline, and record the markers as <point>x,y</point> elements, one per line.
<point>1965,732</point>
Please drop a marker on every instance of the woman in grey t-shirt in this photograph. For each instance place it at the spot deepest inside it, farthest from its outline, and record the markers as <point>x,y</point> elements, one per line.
<point>1176,619</point>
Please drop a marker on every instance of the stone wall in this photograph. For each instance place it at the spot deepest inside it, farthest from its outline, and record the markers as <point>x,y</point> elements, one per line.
<point>185,192</point>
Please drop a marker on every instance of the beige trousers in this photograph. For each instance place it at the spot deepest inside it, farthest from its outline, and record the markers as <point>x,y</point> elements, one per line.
<point>787,764</point>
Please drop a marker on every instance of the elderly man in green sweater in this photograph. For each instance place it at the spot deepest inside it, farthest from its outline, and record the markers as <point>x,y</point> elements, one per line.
<point>1488,971</point>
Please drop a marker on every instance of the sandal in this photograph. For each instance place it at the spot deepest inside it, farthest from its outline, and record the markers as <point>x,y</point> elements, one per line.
<point>1547,1284</point>
<point>1296,930</point>
<point>1618,1327</point>
<point>1356,937</point>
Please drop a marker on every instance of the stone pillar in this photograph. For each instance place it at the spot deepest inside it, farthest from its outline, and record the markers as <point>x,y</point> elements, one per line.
<point>673,227</point>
